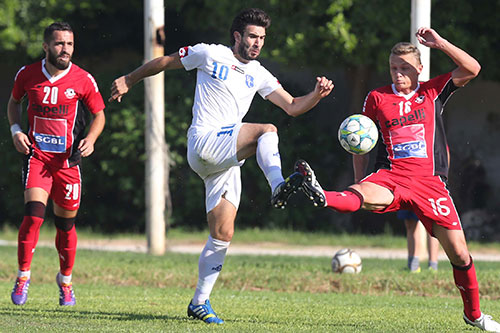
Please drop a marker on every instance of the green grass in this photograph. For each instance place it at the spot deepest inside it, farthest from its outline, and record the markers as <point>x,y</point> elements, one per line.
<point>133,292</point>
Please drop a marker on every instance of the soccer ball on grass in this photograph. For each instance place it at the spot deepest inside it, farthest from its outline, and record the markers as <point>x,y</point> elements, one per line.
<point>346,261</point>
<point>358,134</point>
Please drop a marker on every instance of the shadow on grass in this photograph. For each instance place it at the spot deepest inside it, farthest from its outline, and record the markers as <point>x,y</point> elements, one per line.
<point>72,313</point>
<point>78,314</point>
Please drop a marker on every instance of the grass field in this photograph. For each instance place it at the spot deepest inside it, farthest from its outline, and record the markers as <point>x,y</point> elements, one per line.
<point>133,292</point>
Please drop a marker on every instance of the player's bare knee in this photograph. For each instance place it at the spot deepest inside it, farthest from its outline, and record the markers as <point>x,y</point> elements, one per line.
<point>269,128</point>
<point>460,257</point>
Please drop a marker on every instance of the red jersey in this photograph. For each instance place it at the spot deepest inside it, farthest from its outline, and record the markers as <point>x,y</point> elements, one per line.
<point>56,106</point>
<point>412,140</point>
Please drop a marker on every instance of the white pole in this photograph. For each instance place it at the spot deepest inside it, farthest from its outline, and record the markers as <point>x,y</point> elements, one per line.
<point>421,17</point>
<point>154,18</point>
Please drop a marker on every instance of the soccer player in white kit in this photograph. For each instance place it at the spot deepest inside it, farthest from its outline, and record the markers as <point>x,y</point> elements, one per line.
<point>218,140</point>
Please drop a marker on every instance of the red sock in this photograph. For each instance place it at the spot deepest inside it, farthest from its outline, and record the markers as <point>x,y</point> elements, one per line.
<point>466,282</point>
<point>27,240</point>
<point>66,247</point>
<point>347,201</point>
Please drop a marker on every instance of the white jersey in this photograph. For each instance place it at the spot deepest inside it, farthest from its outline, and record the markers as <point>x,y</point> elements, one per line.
<point>225,87</point>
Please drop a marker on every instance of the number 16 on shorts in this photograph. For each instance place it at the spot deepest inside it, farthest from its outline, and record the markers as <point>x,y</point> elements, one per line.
<point>439,207</point>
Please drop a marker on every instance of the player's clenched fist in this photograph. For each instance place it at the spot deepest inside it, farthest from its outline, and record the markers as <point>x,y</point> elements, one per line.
<point>119,87</point>
<point>323,86</point>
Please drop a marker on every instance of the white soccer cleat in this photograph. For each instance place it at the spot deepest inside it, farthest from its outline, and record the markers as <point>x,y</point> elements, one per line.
<point>485,322</point>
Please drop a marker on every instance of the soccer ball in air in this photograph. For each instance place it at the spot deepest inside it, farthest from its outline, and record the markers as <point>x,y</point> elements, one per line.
<point>346,261</point>
<point>358,134</point>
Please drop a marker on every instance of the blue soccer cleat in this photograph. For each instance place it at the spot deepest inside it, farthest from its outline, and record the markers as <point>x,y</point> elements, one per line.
<point>19,294</point>
<point>203,312</point>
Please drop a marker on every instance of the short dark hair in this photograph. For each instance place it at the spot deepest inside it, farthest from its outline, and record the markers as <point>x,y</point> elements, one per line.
<point>250,16</point>
<point>56,26</point>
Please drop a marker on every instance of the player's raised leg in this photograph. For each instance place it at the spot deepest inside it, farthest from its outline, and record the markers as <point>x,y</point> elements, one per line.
<point>262,140</point>
<point>366,195</point>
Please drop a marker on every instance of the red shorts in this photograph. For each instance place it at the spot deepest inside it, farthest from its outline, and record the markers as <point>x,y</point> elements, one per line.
<point>63,185</point>
<point>428,197</point>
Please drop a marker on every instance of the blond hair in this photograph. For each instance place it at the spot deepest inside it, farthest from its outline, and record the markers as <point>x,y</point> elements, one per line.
<point>403,48</point>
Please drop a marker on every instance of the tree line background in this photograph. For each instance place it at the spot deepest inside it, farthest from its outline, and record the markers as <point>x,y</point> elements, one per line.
<point>347,40</point>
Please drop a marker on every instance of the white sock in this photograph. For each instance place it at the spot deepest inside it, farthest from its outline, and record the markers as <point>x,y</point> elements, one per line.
<point>209,267</point>
<point>66,279</point>
<point>23,273</point>
<point>268,158</point>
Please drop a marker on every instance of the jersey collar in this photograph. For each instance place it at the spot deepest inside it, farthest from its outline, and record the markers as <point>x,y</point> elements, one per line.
<point>51,78</point>
<point>406,96</point>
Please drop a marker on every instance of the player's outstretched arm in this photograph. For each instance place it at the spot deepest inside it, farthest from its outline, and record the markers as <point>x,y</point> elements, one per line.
<point>86,145</point>
<point>295,106</point>
<point>468,67</point>
<point>21,141</point>
<point>122,85</point>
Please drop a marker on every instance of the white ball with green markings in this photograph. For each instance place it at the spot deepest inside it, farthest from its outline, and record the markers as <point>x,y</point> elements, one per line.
<point>358,134</point>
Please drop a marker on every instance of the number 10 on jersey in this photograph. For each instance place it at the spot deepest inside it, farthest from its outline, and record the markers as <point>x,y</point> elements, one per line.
<point>223,71</point>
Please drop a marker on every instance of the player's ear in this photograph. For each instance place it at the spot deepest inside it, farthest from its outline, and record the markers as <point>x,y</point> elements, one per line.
<point>237,37</point>
<point>45,46</point>
<point>420,67</point>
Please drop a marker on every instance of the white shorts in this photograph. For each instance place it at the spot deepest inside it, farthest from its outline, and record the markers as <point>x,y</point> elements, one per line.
<point>212,155</point>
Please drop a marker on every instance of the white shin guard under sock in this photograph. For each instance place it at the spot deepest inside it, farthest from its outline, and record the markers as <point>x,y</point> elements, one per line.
<point>209,266</point>
<point>268,158</point>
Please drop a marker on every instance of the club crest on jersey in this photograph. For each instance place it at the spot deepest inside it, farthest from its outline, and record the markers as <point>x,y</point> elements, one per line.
<point>50,134</point>
<point>420,99</point>
<point>183,52</point>
<point>70,93</point>
<point>249,81</point>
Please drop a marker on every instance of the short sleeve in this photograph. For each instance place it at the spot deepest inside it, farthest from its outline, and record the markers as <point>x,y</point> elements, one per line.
<point>370,106</point>
<point>269,83</point>
<point>91,96</point>
<point>18,91</point>
<point>193,56</point>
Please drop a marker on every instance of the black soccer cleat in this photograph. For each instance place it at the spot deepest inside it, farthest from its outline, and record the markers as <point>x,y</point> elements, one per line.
<point>283,191</point>
<point>310,186</point>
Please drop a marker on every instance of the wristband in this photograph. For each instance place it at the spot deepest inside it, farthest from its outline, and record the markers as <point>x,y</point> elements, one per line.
<point>15,128</point>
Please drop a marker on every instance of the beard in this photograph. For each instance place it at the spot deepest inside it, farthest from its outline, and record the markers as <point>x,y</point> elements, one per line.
<point>56,62</point>
<point>243,51</point>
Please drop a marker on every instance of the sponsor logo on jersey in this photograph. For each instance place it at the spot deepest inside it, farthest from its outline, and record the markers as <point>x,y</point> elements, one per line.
<point>409,141</point>
<point>183,51</point>
<point>249,81</point>
<point>420,99</point>
<point>50,134</point>
<point>410,118</point>
<point>237,69</point>
<point>70,93</point>
<point>46,110</point>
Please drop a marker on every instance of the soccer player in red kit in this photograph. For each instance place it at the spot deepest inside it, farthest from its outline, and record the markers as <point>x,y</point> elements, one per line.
<point>412,161</point>
<point>57,93</point>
